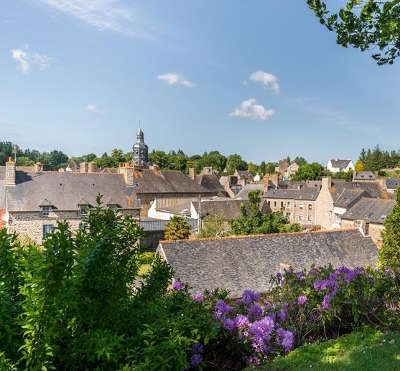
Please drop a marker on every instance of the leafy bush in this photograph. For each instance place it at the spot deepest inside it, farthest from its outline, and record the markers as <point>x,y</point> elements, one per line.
<point>255,222</point>
<point>214,225</point>
<point>177,229</point>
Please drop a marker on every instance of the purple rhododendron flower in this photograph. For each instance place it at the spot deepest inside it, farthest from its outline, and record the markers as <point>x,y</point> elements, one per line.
<point>255,312</point>
<point>302,299</point>
<point>197,348</point>
<point>283,312</point>
<point>241,321</point>
<point>196,359</point>
<point>221,308</point>
<point>286,338</point>
<point>249,297</point>
<point>326,302</point>
<point>198,298</point>
<point>300,276</point>
<point>177,286</point>
<point>229,324</point>
<point>262,329</point>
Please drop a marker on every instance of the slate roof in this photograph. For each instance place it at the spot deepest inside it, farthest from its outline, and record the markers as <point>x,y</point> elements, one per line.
<point>348,197</point>
<point>372,188</point>
<point>228,208</point>
<point>304,193</point>
<point>182,207</point>
<point>340,164</point>
<point>248,262</point>
<point>65,190</point>
<point>244,174</point>
<point>364,175</point>
<point>392,183</point>
<point>210,182</point>
<point>373,210</point>
<point>243,194</point>
<point>149,181</point>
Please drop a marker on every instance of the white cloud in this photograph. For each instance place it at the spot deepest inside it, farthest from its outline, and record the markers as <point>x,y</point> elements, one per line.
<point>108,15</point>
<point>25,58</point>
<point>21,56</point>
<point>250,109</point>
<point>268,80</point>
<point>172,78</point>
<point>93,109</point>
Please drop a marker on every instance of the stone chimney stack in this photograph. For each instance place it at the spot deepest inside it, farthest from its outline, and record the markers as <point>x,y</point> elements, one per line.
<point>127,171</point>
<point>275,179</point>
<point>266,179</point>
<point>92,167</point>
<point>83,167</point>
<point>192,173</point>
<point>326,182</point>
<point>10,173</point>
<point>38,167</point>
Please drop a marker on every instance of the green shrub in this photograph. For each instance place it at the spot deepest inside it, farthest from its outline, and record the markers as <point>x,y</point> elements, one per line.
<point>177,229</point>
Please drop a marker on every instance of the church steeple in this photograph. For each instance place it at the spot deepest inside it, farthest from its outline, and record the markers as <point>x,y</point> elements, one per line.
<point>140,155</point>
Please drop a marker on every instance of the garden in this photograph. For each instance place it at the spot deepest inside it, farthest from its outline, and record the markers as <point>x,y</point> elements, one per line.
<point>77,303</point>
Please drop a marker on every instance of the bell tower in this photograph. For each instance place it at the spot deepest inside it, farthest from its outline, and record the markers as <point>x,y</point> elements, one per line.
<point>140,154</point>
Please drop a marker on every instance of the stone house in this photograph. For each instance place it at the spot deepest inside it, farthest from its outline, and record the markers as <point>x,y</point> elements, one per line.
<point>287,169</point>
<point>208,179</point>
<point>248,262</point>
<point>369,215</point>
<point>244,177</point>
<point>336,166</point>
<point>391,185</point>
<point>298,205</point>
<point>33,201</point>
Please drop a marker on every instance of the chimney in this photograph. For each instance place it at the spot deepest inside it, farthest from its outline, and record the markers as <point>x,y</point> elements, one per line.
<point>92,167</point>
<point>266,180</point>
<point>127,172</point>
<point>83,167</point>
<point>38,167</point>
<point>275,179</point>
<point>326,182</point>
<point>10,173</point>
<point>192,173</point>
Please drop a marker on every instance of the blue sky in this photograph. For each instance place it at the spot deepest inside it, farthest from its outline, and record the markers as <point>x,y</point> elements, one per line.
<point>261,78</point>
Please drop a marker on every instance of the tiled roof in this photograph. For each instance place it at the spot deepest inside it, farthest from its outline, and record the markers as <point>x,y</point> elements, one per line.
<point>304,193</point>
<point>65,190</point>
<point>228,208</point>
<point>248,262</point>
<point>373,210</point>
<point>364,175</point>
<point>243,194</point>
<point>348,197</point>
<point>340,164</point>
<point>392,183</point>
<point>210,182</point>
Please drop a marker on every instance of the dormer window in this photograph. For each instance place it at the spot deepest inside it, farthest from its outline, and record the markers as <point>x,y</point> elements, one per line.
<point>45,208</point>
<point>83,207</point>
<point>45,211</point>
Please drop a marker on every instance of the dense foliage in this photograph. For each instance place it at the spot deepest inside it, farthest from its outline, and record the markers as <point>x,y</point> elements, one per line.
<point>51,160</point>
<point>377,159</point>
<point>365,24</point>
<point>309,171</point>
<point>253,221</point>
<point>177,229</point>
<point>389,253</point>
<point>214,225</point>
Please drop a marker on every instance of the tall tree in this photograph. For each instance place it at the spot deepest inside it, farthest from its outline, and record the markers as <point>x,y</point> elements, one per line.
<point>235,162</point>
<point>364,24</point>
<point>389,253</point>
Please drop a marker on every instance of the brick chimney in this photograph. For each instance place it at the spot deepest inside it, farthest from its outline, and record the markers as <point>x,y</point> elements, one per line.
<point>192,173</point>
<point>38,167</point>
<point>10,173</point>
<point>83,167</point>
<point>92,167</point>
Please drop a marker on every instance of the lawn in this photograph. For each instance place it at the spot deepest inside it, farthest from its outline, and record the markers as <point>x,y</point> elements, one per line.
<point>363,350</point>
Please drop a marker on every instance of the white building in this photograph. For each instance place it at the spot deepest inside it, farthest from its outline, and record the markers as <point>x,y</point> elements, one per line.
<point>335,166</point>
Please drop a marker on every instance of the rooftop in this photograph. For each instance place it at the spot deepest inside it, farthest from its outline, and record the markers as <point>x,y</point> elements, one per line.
<point>248,262</point>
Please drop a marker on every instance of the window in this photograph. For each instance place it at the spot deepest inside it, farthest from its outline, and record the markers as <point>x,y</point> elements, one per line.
<point>288,204</point>
<point>301,206</point>
<point>309,218</point>
<point>47,228</point>
<point>82,210</point>
<point>288,215</point>
<point>275,203</point>
<point>269,203</point>
<point>281,203</point>
<point>309,206</point>
<point>45,211</point>
<point>300,217</point>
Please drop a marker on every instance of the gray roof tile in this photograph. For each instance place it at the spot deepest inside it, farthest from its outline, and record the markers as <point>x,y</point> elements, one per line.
<point>373,210</point>
<point>248,262</point>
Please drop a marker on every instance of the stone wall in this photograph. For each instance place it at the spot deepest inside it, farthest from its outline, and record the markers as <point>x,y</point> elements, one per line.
<point>30,224</point>
<point>297,211</point>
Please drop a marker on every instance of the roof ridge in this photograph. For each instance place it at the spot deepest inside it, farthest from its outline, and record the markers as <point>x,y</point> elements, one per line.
<point>240,237</point>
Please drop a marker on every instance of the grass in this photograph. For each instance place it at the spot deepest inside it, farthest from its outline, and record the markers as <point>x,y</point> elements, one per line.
<point>363,350</point>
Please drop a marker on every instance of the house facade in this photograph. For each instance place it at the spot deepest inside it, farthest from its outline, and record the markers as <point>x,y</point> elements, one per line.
<point>337,165</point>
